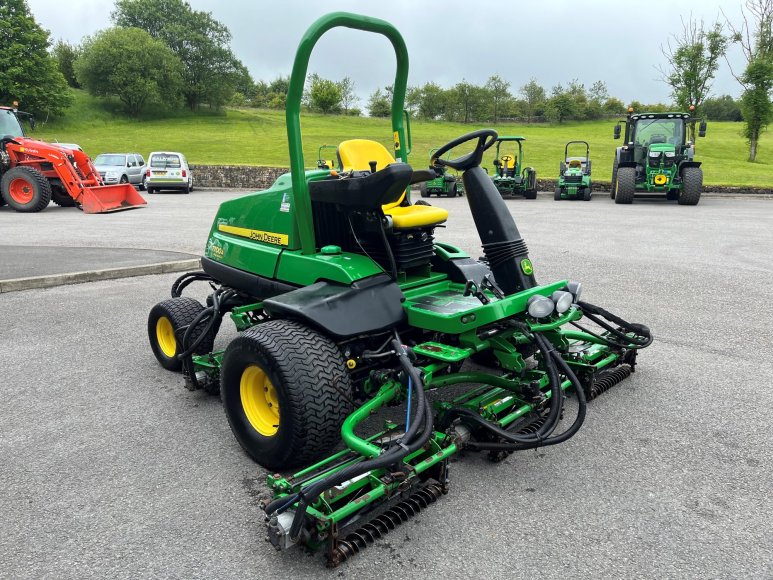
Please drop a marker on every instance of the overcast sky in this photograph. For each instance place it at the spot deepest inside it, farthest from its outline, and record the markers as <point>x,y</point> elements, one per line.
<point>553,41</point>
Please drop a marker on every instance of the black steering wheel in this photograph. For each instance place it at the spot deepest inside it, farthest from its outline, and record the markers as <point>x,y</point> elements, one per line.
<point>486,138</point>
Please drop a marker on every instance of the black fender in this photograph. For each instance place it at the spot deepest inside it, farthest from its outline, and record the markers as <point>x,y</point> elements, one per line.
<point>684,164</point>
<point>366,306</point>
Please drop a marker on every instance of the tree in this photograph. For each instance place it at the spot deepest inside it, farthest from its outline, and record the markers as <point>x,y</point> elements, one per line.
<point>465,102</point>
<point>412,99</point>
<point>324,95</point>
<point>756,41</point>
<point>433,101</point>
<point>211,72</point>
<point>129,64</point>
<point>561,106</point>
<point>28,73</point>
<point>534,96</point>
<point>379,104</point>
<point>693,61</point>
<point>723,108</point>
<point>348,96</point>
<point>66,54</point>
<point>498,92</point>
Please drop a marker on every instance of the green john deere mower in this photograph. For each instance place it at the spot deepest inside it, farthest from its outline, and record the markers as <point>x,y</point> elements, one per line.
<point>511,177</point>
<point>347,305</point>
<point>657,158</point>
<point>574,175</point>
<point>445,184</point>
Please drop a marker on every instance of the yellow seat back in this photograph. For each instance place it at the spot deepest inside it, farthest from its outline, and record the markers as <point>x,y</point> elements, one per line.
<point>575,163</point>
<point>356,154</point>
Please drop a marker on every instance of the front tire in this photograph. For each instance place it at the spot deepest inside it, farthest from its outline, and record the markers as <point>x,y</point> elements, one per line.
<point>625,184</point>
<point>124,180</point>
<point>25,189</point>
<point>692,184</point>
<point>167,323</point>
<point>285,407</point>
<point>588,194</point>
<point>614,179</point>
<point>143,183</point>
<point>452,190</point>
<point>60,197</point>
<point>557,194</point>
<point>423,190</point>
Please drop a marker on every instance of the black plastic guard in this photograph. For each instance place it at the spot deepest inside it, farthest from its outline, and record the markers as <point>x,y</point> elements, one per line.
<point>367,306</point>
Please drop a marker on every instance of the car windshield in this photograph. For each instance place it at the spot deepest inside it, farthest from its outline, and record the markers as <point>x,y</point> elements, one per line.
<point>650,131</point>
<point>9,124</point>
<point>116,160</point>
<point>163,161</point>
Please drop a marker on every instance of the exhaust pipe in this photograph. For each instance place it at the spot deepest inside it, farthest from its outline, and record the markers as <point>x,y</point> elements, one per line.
<point>503,245</point>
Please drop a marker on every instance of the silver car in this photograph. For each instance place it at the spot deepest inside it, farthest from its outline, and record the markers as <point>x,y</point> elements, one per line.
<point>122,168</point>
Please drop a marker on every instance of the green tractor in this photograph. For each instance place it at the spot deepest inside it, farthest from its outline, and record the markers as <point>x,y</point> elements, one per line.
<point>657,158</point>
<point>574,175</point>
<point>444,184</point>
<point>347,307</point>
<point>510,176</point>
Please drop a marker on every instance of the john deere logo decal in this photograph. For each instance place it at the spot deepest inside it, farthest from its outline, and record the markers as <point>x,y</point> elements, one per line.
<point>526,266</point>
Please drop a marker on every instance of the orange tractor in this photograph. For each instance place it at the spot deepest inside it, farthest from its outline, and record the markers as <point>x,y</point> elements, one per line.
<point>35,173</point>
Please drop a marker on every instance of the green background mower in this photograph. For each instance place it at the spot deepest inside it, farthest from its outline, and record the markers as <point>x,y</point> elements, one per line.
<point>346,305</point>
<point>511,177</point>
<point>574,181</point>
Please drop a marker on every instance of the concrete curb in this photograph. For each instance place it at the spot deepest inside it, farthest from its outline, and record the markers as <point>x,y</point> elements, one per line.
<point>30,283</point>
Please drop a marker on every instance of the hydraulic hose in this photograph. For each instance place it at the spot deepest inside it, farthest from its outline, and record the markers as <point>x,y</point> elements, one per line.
<point>415,437</point>
<point>515,442</point>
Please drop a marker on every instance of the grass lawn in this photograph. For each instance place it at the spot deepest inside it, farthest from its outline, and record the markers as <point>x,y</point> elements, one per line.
<point>258,137</point>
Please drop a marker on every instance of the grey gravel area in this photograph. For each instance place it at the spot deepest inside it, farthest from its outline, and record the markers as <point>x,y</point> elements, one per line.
<point>110,468</point>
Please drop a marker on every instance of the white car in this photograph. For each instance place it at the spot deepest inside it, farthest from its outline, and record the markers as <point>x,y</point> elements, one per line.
<point>168,170</point>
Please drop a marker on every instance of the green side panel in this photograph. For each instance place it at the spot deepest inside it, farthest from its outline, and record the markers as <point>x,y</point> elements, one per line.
<point>250,232</point>
<point>302,269</point>
<point>442,307</point>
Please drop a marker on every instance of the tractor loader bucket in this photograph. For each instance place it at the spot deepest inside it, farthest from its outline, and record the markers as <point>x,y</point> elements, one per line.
<point>108,198</point>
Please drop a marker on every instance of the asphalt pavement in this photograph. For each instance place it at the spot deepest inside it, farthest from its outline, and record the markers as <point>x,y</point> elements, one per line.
<point>110,468</point>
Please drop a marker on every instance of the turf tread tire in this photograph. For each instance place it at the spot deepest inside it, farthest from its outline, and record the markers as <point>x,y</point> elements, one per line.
<point>181,311</point>
<point>61,198</point>
<point>309,373</point>
<point>40,184</point>
<point>423,190</point>
<point>626,185</point>
<point>692,183</point>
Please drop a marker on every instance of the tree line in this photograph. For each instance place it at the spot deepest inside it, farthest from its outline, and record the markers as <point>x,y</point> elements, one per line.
<point>164,52</point>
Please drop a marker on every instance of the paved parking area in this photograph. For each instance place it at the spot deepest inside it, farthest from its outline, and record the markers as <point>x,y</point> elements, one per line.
<point>110,468</point>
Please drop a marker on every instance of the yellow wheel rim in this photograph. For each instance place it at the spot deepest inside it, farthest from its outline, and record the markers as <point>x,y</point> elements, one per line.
<point>165,337</point>
<point>259,401</point>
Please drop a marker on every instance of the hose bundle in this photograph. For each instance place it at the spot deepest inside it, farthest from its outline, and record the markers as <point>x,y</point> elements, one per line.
<point>416,436</point>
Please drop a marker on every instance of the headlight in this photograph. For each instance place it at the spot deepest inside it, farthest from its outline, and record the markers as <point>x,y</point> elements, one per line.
<point>670,154</point>
<point>575,288</point>
<point>654,153</point>
<point>563,300</point>
<point>540,306</point>
<point>111,174</point>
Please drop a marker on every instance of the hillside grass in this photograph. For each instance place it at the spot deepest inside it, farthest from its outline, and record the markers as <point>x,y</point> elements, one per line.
<point>258,137</point>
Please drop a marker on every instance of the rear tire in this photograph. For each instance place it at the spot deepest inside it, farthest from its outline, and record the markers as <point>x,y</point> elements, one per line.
<point>625,184</point>
<point>167,322</point>
<point>269,374</point>
<point>692,184</point>
<point>25,189</point>
<point>423,190</point>
<point>151,191</point>
<point>60,197</point>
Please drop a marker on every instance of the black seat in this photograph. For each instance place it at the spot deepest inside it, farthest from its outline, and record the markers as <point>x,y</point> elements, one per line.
<point>366,192</point>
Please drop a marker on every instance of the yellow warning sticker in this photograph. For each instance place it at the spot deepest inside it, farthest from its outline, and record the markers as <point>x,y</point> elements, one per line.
<point>396,136</point>
<point>257,235</point>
